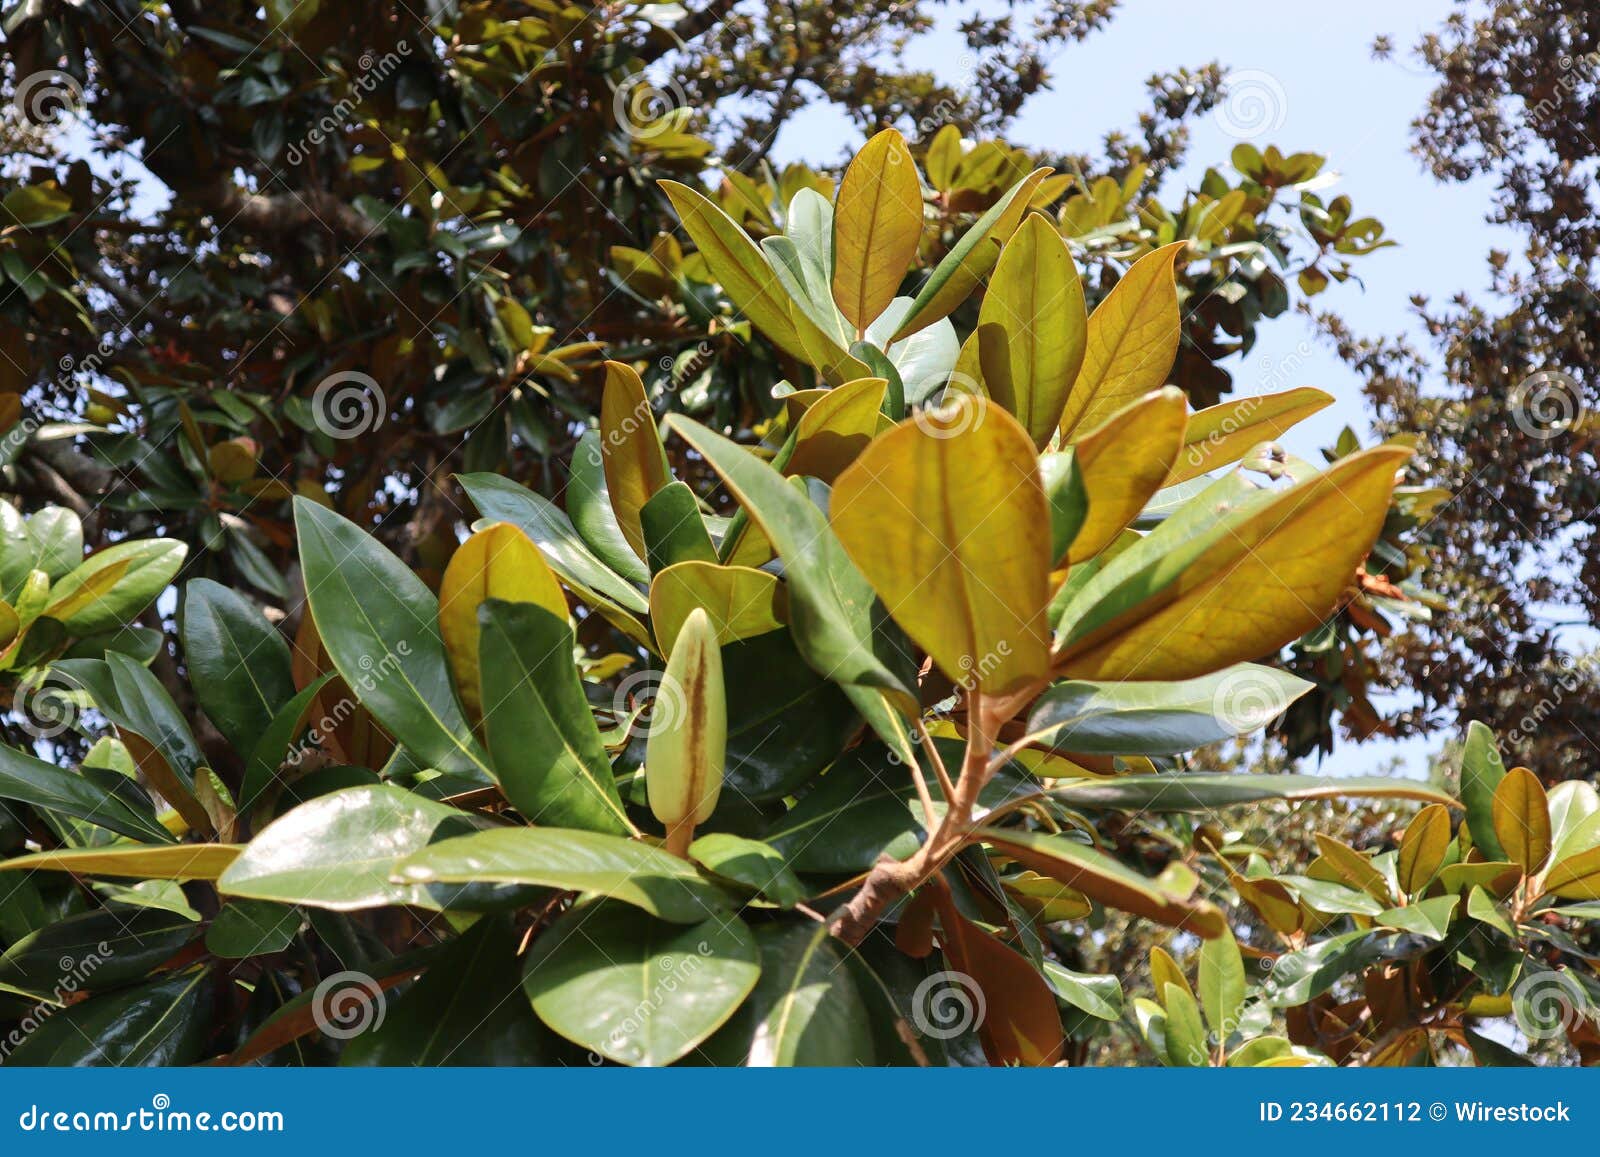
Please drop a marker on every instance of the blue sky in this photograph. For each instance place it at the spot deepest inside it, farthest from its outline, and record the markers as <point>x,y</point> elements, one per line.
<point>1336,100</point>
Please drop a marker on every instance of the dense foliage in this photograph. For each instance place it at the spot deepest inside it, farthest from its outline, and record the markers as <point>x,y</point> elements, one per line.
<point>495,571</point>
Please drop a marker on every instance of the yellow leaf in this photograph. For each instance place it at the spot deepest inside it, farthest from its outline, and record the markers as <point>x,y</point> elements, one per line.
<point>957,275</point>
<point>498,562</point>
<point>1123,463</point>
<point>836,364</point>
<point>1164,970</point>
<point>1241,592</point>
<point>1423,848</point>
<point>944,152</point>
<point>738,266</point>
<point>1521,814</point>
<point>135,861</point>
<point>89,592</point>
<point>742,602</point>
<point>1576,877</point>
<point>1353,868</point>
<point>687,744</point>
<point>1225,433</point>
<point>1032,328</point>
<point>836,428</point>
<point>877,225</point>
<point>945,515</point>
<point>1133,337</point>
<point>630,448</point>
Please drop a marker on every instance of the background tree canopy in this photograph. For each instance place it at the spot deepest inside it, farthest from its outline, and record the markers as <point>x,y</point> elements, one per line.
<point>470,509</point>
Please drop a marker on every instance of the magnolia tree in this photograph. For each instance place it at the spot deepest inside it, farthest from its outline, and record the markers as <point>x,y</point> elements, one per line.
<point>838,744</point>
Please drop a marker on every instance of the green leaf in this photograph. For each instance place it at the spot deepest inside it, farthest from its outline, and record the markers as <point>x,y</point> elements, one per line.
<point>57,537</point>
<point>380,626</point>
<point>276,743</point>
<point>95,950</point>
<point>831,610</point>
<point>504,501</point>
<point>1481,772</point>
<point>1186,1033</point>
<point>1430,918</point>
<point>465,1010</point>
<point>1184,791</point>
<point>166,1022</point>
<point>150,565</point>
<point>44,785</point>
<point>547,753</point>
<point>1222,984</point>
<point>627,870</point>
<point>805,1010</point>
<point>339,851</point>
<point>673,530</point>
<point>785,722</point>
<point>637,990</point>
<point>589,505</point>
<point>238,662</point>
<point>1162,718</point>
<point>1099,996</point>
<point>247,928</point>
<point>758,866</point>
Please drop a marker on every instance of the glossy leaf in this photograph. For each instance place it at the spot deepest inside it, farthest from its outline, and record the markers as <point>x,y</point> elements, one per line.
<point>165,1022</point>
<point>238,662</point>
<point>1123,463</point>
<point>1481,773</point>
<point>674,530</point>
<point>36,783</point>
<point>1226,432</point>
<point>832,432</point>
<point>1202,792</point>
<point>877,225</point>
<point>740,601</point>
<point>630,448</point>
<point>960,557</point>
<point>1423,848</point>
<point>1522,819</point>
<point>165,862</point>
<point>589,505</point>
<point>145,567</point>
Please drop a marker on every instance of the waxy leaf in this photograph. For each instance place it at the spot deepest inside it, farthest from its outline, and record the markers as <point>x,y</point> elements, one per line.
<point>1222,983</point>
<point>960,557</point>
<point>1250,583</point>
<point>165,1022</point>
<point>1423,848</point>
<point>1481,773</point>
<point>589,504</point>
<point>1032,328</point>
<point>32,781</point>
<point>379,624</point>
<point>339,851</point>
<point>835,429</point>
<point>1133,337</point>
<point>1123,463</point>
<point>1522,819</point>
<point>636,990</point>
<point>627,870</point>
<point>497,562</point>
<point>1224,433</point>
<point>741,602</point>
<point>1187,791</point>
<point>1160,718</point>
<point>547,753</point>
<point>140,862</point>
<point>238,662</point>
<point>1101,878</point>
<point>145,566</point>
<point>630,448</point>
<point>877,225</point>
<point>673,529</point>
